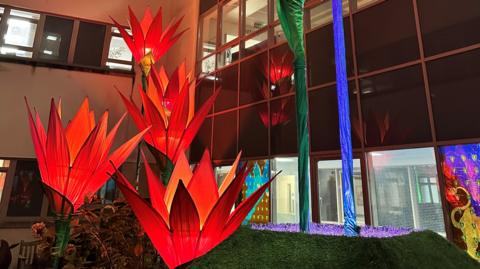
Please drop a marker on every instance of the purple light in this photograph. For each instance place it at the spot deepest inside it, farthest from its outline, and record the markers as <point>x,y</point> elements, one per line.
<point>335,230</point>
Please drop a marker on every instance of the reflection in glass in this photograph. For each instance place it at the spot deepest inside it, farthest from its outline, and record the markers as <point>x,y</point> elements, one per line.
<point>252,79</point>
<point>208,23</point>
<point>225,136</point>
<point>89,48</point>
<point>57,34</point>
<point>322,14</point>
<point>256,15</point>
<point>256,44</point>
<point>253,132</point>
<point>230,21</point>
<point>399,183</point>
<point>285,199</point>
<point>228,56</point>
<point>283,136</point>
<point>278,35</point>
<point>227,83</point>
<point>202,141</point>
<point>330,198</point>
<point>20,32</point>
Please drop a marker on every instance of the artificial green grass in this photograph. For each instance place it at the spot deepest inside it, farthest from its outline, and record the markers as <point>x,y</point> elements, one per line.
<point>265,249</point>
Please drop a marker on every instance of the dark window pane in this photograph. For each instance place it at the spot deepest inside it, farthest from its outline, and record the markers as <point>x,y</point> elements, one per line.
<point>252,79</point>
<point>321,54</point>
<point>225,136</point>
<point>448,24</point>
<point>202,141</point>
<point>280,72</point>
<point>385,35</point>
<point>206,5</point>
<point>253,134</point>
<point>90,41</point>
<point>324,130</point>
<point>227,83</point>
<point>283,134</point>
<point>57,34</point>
<point>454,88</point>
<point>394,108</point>
<point>204,91</point>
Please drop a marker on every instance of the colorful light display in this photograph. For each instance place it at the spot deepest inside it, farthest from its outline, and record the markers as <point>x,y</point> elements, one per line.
<point>255,179</point>
<point>191,215</point>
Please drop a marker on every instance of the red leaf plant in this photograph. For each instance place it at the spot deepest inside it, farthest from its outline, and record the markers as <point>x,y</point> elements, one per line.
<point>279,73</point>
<point>74,162</point>
<point>168,108</point>
<point>191,215</point>
<point>149,41</point>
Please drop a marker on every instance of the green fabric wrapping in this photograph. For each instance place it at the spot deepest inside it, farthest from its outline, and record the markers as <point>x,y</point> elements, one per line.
<point>290,13</point>
<point>62,236</point>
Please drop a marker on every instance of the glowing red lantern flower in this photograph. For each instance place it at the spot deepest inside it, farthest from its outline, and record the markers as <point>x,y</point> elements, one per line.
<point>74,162</point>
<point>170,111</point>
<point>149,42</point>
<point>191,215</point>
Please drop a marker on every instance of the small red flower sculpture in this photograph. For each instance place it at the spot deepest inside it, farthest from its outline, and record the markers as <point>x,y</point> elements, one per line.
<point>74,161</point>
<point>170,112</point>
<point>191,215</point>
<point>149,42</point>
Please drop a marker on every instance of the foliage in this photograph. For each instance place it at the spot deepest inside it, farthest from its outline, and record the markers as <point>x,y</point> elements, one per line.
<point>102,236</point>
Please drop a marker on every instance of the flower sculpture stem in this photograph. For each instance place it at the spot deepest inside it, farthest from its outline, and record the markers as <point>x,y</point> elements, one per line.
<point>62,236</point>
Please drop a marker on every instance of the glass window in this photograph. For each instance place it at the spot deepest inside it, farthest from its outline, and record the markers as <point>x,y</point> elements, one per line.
<point>253,131</point>
<point>252,79</point>
<point>20,32</point>
<point>125,67</point>
<point>454,88</point>
<point>208,65</point>
<point>322,14</point>
<point>280,71</point>
<point>256,15</point>
<point>225,136</point>
<point>24,14</point>
<point>57,34</point>
<point>208,22</point>
<point>202,141</point>
<point>206,5</point>
<point>394,108</point>
<point>2,10</point>
<point>118,49</point>
<point>321,62</point>
<point>230,21</point>
<point>220,173</point>
<point>259,175</point>
<point>385,35</point>
<point>358,4</point>
<point>278,34</point>
<point>3,176</point>
<point>256,44</point>
<point>90,41</point>
<point>398,182</point>
<point>330,197</point>
<point>446,25</point>
<point>285,198</point>
<point>324,130</point>
<point>4,163</point>
<point>227,83</point>
<point>15,52</point>
<point>283,134</point>
<point>228,56</point>
<point>204,90</point>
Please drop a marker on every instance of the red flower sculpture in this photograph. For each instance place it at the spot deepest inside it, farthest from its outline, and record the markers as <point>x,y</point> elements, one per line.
<point>149,42</point>
<point>74,162</point>
<point>279,72</point>
<point>191,215</point>
<point>170,112</point>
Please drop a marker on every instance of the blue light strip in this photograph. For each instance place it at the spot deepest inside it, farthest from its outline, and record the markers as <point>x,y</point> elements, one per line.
<point>350,225</point>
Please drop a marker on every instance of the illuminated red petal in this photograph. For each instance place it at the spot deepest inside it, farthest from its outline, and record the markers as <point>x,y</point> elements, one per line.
<point>137,117</point>
<point>146,21</point>
<point>153,224</point>
<point>129,41</point>
<point>154,92</point>
<point>180,171</point>
<point>154,117</point>
<point>137,33</point>
<point>156,190</point>
<point>39,142</point>
<point>178,122</point>
<point>78,129</point>
<point>243,209</point>
<point>56,153</point>
<point>230,176</point>
<point>58,203</point>
<point>168,39</point>
<point>173,88</point>
<point>155,31</point>
<point>211,235</point>
<point>184,224</point>
<point>195,124</point>
<point>203,187</point>
<point>111,137</point>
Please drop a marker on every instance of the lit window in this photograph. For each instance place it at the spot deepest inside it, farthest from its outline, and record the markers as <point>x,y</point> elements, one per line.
<point>399,183</point>
<point>208,39</point>
<point>285,197</point>
<point>56,39</point>
<point>256,44</point>
<point>228,56</point>
<point>230,21</point>
<point>322,14</point>
<point>20,32</point>
<point>119,55</point>
<point>330,193</point>
<point>24,14</point>
<point>256,15</point>
<point>208,64</point>
<point>4,164</point>
<point>15,52</point>
<point>126,67</point>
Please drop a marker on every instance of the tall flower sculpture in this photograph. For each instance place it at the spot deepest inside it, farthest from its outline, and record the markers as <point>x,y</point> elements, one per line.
<point>74,162</point>
<point>191,215</point>
<point>170,112</point>
<point>149,41</point>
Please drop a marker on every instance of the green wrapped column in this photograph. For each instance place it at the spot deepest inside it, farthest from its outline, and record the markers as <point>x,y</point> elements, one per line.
<point>290,13</point>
